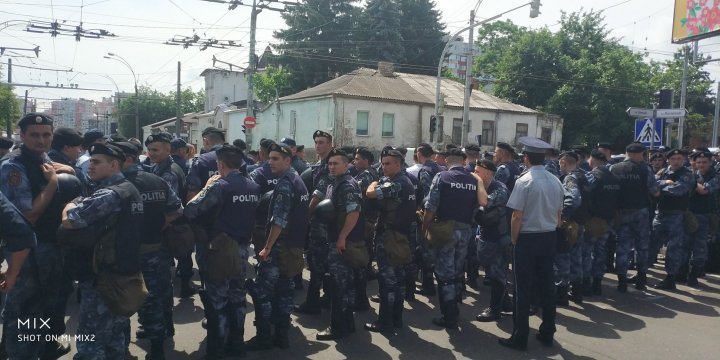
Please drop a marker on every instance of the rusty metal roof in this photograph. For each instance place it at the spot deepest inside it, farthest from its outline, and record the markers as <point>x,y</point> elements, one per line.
<point>402,87</point>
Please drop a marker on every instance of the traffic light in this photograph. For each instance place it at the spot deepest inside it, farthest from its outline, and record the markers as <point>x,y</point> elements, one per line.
<point>535,8</point>
<point>664,99</point>
<point>433,123</point>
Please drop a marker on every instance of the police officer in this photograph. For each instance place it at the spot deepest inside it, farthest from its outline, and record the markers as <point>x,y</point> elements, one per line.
<point>318,240</point>
<point>179,153</point>
<point>536,203</point>
<point>92,136</point>
<point>396,206</point>
<point>115,196</point>
<point>493,236</point>
<point>204,166</point>
<point>675,183</point>
<point>657,162</point>
<point>160,206</point>
<point>605,149</point>
<point>703,205</point>
<point>262,174</point>
<point>571,203</point>
<point>576,182</point>
<point>637,183</point>
<point>366,175</point>
<point>297,164</point>
<point>30,181</point>
<point>583,154</point>
<point>286,230</point>
<point>452,194</point>
<point>423,256</point>
<point>347,226</point>
<point>552,164</point>
<point>604,197</point>
<point>234,198</point>
<point>66,146</point>
<point>507,169</point>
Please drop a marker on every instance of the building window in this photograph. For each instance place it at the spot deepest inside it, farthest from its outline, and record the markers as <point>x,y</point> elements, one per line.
<point>388,125</point>
<point>293,123</point>
<point>457,131</point>
<point>546,134</point>
<point>361,128</point>
<point>520,131</point>
<point>488,133</point>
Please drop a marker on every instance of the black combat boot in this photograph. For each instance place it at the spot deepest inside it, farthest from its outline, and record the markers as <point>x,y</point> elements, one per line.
<point>215,346</point>
<point>692,279</point>
<point>326,298</point>
<point>338,327</point>
<point>397,313</point>
<point>235,343</point>
<point>641,280</point>
<point>428,283</point>
<point>54,350</point>
<point>298,282</point>
<point>622,284</point>
<point>587,286</point>
<point>361,299</point>
<point>597,286</point>
<point>410,288</point>
<point>311,306</point>
<point>157,352</point>
<point>449,319</point>
<point>384,323</point>
<point>263,339</point>
<point>349,321</point>
<point>562,295</point>
<point>281,337</point>
<point>576,293</point>
<point>187,289</point>
<point>667,284</point>
<point>492,313</point>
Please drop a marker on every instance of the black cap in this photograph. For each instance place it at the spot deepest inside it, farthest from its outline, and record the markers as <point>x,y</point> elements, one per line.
<point>571,154</point>
<point>450,146</point>
<point>391,152</point>
<point>701,154</point>
<point>580,149</point>
<point>177,143</point>
<point>486,164</point>
<point>66,137</point>
<point>6,143</point>
<point>300,148</point>
<point>597,154</point>
<point>91,136</point>
<point>657,155</point>
<point>288,141</point>
<point>605,145</point>
<point>320,133</point>
<point>240,143</point>
<point>34,119</point>
<point>107,149</point>
<point>505,146</point>
<point>472,148</point>
<point>674,152</point>
<point>281,148</point>
<point>115,138</point>
<point>213,130</point>
<point>159,137</point>
<point>635,148</point>
<point>336,152</point>
<point>127,147</point>
<point>456,152</point>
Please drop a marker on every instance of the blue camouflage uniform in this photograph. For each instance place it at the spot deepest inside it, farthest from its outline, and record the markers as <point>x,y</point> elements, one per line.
<point>423,257</point>
<point>452,196</point>
<point>110,341</point>
<point>581,252</point>
<point>182,163</point>
<point>571,201</point>
<point>553,167</point>
<point>669,226</point>
<point>202,167</point>
<point>317,244</point>
<point>703,207</point>
<point>224,300</point>
<point>637,183</point>
<point>493,242</point>
<point>298,164</point>
<point>507,173</point>
<point>605,190</point>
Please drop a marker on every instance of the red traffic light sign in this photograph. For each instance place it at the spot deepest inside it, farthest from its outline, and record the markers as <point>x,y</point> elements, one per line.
<point>249,122</point>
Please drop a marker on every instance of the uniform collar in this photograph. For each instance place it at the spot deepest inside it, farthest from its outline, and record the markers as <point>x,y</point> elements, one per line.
<point>112,180</point>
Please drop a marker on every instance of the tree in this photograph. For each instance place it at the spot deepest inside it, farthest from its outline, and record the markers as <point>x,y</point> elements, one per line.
<point>272,82</point>
<point>156,106</point>
<point>423,33</point>
<point>448,74</point>
<point>318,43</point>
<point>382,19</point>
<point>9,108</point>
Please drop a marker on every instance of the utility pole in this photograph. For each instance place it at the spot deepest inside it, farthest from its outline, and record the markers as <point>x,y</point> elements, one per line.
<point>178,109</point>
<point>25,102</point>
<point>716,119</point>
<point>8,121</point>
<point>468,82</point>
<point>251,71</point>
<point>683,95</point>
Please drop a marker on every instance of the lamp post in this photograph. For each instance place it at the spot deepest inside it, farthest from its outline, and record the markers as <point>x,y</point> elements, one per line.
<point>119,58</point>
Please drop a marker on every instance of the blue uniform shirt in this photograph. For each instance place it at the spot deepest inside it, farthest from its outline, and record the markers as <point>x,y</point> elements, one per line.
<point>283,195</point>
<point>15,230</point>
<point>15,184</point>
<point>98,205</point>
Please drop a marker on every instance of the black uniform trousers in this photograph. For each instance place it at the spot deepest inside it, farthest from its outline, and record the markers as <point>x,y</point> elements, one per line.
<point>533,258</point>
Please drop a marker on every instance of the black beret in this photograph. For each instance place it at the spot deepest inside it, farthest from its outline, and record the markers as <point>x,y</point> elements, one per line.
<point>320,133</point>
<point>6,143</point>
<point>450,146</point>
<point>580,149</point>
<point>137,144</point>
<point>213,130</point>
<point>281,148</point>
<point>674,152</point>
<point>127,147</point>
<point>159,137</point>
<point>288,141</point>
<point>240,143</point>
<point>505,146</point>
<point>635,148</point>
<point>472,147</point>
<point>701,154</point>
<point>92,136</point>
<point>266,144</point>
<point>115,138</point>
<point>486,164</point>
<point>657,155</point>
<point>391,152</point>
<point>571,154</point>
<point>67,137</point>
<point>34,119</point>
<point>604,145</point>
<point>597,154</point>
<point>456,152</point>
<point>230,150</point>
<point>300,148</point>
<point>107,149</point>
<point>336,152</point>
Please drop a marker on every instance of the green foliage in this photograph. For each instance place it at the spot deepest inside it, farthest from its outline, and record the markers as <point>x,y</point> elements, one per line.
<point>271,80</point>
<point>382,19</point>
<point>448,74</point>
<point>155,106</point>
<point>9,108</point>
<point>422,32</point>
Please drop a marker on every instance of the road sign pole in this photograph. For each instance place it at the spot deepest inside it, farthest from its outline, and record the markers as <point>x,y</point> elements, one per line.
<point>652,140</point>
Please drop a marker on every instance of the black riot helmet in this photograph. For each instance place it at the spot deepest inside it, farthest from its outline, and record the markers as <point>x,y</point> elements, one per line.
<point>325,211</point>
<point>69,187</point>
<point>307,178</point>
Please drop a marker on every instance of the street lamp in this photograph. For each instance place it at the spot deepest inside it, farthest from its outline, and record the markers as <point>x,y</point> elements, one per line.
<point>119,58</point>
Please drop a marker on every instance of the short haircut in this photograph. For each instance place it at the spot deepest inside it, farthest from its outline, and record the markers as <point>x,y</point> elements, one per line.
<point>231,156</point>
<point>425,150</point>
<point>214,137</point>
<point>535,158</point>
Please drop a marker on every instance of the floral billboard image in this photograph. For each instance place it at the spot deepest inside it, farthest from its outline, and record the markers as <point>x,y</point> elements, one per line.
<point>695,19</point>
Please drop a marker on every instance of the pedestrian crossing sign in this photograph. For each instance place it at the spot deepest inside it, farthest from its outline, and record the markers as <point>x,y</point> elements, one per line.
<point>648,134</point>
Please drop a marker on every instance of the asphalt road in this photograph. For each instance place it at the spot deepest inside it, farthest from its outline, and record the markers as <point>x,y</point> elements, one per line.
<point>683,324</point>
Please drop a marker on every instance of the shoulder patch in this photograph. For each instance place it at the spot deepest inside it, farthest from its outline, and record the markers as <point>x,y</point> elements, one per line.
<point>14,179</point>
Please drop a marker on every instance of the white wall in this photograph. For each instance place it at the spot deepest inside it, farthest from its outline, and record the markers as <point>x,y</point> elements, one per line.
<point>309,115</point>
<point>224,87</point>
<point>406,129</point>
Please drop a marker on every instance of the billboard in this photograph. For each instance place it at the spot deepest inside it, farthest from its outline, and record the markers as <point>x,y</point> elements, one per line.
<point>695,19</point>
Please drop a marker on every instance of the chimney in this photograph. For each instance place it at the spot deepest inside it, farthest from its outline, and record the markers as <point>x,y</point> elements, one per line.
<point>386,68</point>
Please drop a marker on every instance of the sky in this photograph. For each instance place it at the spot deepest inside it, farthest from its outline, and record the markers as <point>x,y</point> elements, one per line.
<point>142,26</point>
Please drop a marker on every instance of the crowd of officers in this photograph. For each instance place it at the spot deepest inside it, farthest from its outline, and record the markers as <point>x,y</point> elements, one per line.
<point>95,210</point>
